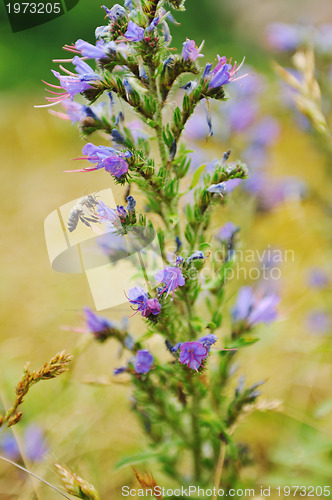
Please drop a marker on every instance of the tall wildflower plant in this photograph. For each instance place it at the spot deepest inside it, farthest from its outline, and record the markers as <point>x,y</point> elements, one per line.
<point>183,402</point>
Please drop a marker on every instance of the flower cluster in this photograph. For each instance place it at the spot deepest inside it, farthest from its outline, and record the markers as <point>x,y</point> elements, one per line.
<point>194,353</point>
<point>136,67</point>
<point>142,363</point>
<point>105,157</point>
<point>224,72</point>
<point>73,83</point>
<point>283,37</point>
<point>145,305</point>
<point>253,309</point>
<point>171,278</point>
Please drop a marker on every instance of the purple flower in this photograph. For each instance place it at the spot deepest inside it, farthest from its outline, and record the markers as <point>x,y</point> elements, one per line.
<point>241,114</point>
<point>265,132</point>
<point>9,446</point>
<point>265,310</point>
<point>256,156</point>
<point>217,188</point>
<point>75,84</point>
<point>74,110</point>
<point>178,243</point>
<point>33,444</point>
<point>95,323</point>
<point>142,71</point>
<point>208,340</point>
<point>319,322</point>
<point>222,74</point>
<point>105,157</point>
<point>166,32</point>
<point>129,4</point>
<point>244,304</point>
<point>117,166</point>
<point>227,231</point>
<point>98,51</point>
<point>207,70</point>
<point>134,32</point>
<point>138,297</point>
<point>101,31</point>
<point>72,84</point>
<point>282,37</point>
<point>100,327</point>
<point>129,342</point>
<point>193,354</point>
<point>318,278</point>
<point>270,193</point>
<point>153,25</point>
<point>117,137</point>
<point>131,203</point>
<point>253,309</point>
<point>190,51</point>
<point>171,277</point>
<point>153,307</point>
<point>168,15</point>
<point>196,255</point>
<point>143,361</point>
<point>115,12</point>
<point>105,213</point>
<point>122,369</point>
<point>122,212</point>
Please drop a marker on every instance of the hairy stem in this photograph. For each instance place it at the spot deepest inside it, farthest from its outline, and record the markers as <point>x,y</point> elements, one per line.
<point>196,436</point>
<point>219,469</point>
<point>158,115</point>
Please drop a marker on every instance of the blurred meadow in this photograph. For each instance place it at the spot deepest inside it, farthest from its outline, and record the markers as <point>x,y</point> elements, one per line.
<point>84,416</point>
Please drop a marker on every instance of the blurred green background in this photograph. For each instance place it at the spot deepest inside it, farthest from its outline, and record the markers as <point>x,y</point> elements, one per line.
<point>90,427</point>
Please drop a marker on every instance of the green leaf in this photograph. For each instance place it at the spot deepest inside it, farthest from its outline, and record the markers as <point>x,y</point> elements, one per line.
<point>211,326</point>
<point>145,456</point>
<point>188,234</point>
<point>148,455</point>
<point>198,323</point>
<point>195,179</point>
<point>196,176</point>
<point>205,246</point>
<point>242,342</point>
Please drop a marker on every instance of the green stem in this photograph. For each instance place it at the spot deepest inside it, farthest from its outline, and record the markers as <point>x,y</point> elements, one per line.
<point>188,307</point>
<point>164,414</point>
<point>220,465</point>
<point>158,115</point>
<point>155,90</point>
<point>196,436</point>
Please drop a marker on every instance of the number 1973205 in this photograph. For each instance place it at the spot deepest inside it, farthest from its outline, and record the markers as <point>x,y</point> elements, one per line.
<point>34,8</point>
<point>304,491</point>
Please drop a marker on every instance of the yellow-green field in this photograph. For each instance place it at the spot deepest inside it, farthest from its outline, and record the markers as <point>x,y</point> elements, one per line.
<point>90,427</point>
